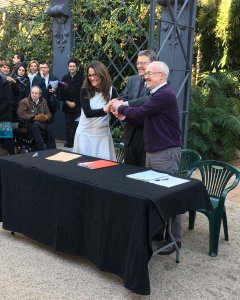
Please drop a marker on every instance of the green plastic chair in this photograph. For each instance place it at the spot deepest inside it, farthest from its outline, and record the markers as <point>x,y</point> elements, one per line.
<point>219,178</point>
<point>119,150</point>
<point>188,158</point>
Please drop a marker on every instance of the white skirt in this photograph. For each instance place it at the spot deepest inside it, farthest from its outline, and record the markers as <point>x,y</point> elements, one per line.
<point>97,143</point>
<point>93,136</point>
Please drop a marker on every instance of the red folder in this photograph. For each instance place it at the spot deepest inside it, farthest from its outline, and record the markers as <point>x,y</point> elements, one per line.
<point>98,164</point>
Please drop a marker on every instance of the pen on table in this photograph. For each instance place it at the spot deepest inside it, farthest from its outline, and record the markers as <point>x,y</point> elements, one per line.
<point>160,179</point>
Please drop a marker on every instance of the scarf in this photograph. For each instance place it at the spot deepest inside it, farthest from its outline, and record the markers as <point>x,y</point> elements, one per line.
<point>31,76</point>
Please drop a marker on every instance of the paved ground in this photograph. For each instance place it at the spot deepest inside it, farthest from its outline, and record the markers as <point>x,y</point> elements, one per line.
<point>235,194</point>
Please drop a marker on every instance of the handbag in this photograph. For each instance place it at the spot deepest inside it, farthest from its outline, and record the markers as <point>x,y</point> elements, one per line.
<point>6,130</point>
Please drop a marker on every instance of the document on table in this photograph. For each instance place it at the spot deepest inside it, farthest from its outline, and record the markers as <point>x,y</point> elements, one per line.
<point>158,178</point>
<point>168,181</point>
<point>63,156</point>
<point>147,175</point>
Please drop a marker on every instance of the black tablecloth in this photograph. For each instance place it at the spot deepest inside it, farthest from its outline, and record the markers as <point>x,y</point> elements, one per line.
<point>100,214</point>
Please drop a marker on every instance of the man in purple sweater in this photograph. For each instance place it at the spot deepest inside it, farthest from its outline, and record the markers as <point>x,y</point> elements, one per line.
<point>161,131</point>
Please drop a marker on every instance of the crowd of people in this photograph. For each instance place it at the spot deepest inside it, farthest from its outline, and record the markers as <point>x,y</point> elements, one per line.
<point>148,106</point>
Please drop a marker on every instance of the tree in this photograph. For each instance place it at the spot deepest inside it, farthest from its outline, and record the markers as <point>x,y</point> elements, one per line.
<point>214,118</point>
<point>28,28</point>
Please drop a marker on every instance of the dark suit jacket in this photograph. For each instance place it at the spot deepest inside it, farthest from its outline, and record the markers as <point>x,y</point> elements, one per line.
<point>40,81</point>
<point>134,98</point>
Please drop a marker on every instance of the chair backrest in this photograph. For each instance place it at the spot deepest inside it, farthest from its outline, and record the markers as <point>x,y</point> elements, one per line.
<point>188,158</point>
<point>119,150</point>
<point>218,177</point>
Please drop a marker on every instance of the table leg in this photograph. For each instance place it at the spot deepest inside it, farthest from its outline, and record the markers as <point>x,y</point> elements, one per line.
<point>172,242</point>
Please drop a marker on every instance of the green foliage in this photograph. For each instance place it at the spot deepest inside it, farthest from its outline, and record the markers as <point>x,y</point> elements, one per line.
<point>233,58</point>
<point>217,36</point>
<point>26,28</point>
<point>214,123</point>
<point>112,31</point>
<point>207,41</point>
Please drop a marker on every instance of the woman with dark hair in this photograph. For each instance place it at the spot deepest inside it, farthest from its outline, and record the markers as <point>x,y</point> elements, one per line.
<point>8,91</point>
<point>22,79</point>
<point>93,135</point>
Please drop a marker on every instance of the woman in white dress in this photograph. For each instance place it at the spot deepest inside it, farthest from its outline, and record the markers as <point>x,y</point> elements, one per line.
<point>93,136</point>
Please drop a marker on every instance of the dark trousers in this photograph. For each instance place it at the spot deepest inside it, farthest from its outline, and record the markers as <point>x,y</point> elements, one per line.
<point>43,135</point>
<point>134,153</point>
<point>71,126</point>
<point>8,143</point>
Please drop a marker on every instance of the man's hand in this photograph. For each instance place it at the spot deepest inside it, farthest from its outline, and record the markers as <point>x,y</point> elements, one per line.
<point>120,117</point>
<point>70,104</point>
<point>52,90</point>
<point>41,118</point>
<point>115,104</point>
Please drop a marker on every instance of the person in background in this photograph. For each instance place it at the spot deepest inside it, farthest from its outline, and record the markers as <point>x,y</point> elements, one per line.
<point>33,70</point>
<point>134,94</point>
<point>35,112</point>
<point>50,93</point>
<point>70,93</point>
<point>20,75</point>
<point>18,59</point>
<point>35,76</point>
<point>8,91</point>
<point>161,131</point>
<point>93,135</point>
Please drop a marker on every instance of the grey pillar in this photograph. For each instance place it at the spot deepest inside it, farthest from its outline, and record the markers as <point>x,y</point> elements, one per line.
<point>62,44</point>
<point>176,40</point>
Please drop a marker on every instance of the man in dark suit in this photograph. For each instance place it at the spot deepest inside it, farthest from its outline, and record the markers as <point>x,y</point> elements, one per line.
<point>49,93</point>
<point>134,94</point>
<point>70,95</point>
<point>161,133</point>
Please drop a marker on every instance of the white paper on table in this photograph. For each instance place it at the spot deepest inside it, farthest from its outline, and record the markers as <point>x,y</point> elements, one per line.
<point>147,175</point>
<point>168,181</point>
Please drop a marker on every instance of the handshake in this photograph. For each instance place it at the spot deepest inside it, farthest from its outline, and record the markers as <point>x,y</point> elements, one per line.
<point>112,107</point>
<point>40,118</point>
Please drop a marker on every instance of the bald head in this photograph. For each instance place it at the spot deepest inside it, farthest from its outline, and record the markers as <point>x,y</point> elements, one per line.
<point>156,74</point>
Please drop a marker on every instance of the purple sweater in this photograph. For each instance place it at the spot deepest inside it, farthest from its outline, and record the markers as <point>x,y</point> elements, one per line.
<point>161,120</point>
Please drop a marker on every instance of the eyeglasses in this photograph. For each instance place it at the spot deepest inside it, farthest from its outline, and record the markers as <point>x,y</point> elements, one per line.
<point>92,76</point>
<point>142,63</point>
<point>151,73</point>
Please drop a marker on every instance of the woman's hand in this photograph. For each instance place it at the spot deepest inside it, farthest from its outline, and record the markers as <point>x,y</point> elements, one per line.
<point>107,107</point>
<point>10,79</point>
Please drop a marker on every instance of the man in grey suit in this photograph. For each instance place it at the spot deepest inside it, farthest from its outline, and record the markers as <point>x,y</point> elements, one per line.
<point>135,94</point>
